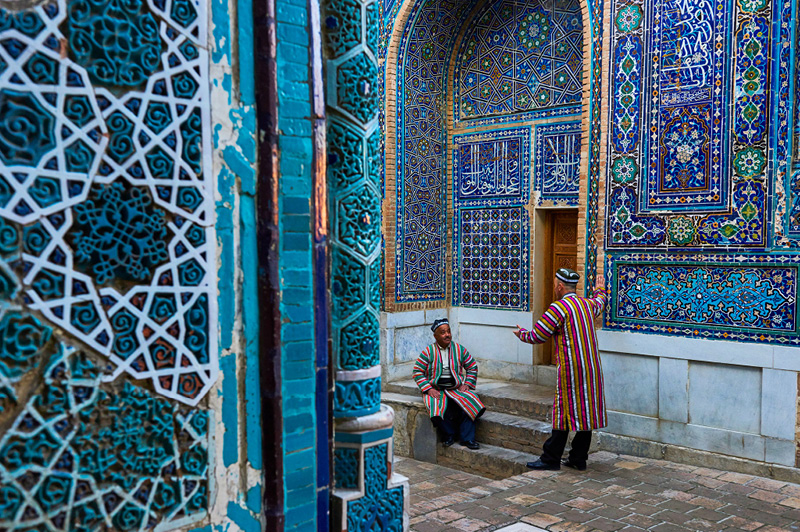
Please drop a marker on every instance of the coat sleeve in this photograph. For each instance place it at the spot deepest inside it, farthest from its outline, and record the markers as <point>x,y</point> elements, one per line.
<point>548,324</point>
<point>598,302</point>
<point>470,369</point>
<point>420,372</point>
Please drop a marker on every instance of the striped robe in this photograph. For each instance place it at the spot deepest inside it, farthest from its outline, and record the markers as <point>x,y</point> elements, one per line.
<point>579,403</point>
<point>428,369</point>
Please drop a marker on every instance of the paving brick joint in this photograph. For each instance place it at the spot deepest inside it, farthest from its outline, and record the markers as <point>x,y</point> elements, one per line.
<point>616,493</point>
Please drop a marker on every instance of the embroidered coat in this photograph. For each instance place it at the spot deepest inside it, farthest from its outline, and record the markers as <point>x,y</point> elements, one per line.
<point>428,370</point>
<point>579,403</point>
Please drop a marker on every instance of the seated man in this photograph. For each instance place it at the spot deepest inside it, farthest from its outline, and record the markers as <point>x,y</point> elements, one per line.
<point>446,392</point>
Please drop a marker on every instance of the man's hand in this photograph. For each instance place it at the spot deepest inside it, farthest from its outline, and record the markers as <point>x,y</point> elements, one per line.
<point>463,388</point>
<point>434,393</point>
<point>600,283</point>
<point>518,332</point>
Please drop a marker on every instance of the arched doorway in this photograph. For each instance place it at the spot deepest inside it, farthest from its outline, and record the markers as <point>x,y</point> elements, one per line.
<point>488,111</point>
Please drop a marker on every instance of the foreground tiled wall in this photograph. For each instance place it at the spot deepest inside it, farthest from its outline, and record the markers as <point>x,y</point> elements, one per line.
<point>127,197</point>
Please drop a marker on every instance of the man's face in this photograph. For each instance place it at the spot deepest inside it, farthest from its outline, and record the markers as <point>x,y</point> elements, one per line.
<point>443,336</point>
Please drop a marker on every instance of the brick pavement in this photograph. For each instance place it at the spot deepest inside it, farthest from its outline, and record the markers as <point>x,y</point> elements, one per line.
<point>617,493</point>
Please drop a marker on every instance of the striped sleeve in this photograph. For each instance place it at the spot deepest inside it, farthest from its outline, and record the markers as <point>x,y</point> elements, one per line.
<point>599,301</point>
<point>420,371</point>
<point>546,327</point>
<point>470,368</point>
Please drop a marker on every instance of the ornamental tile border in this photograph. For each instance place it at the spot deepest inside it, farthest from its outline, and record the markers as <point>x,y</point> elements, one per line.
<point>751,298</point>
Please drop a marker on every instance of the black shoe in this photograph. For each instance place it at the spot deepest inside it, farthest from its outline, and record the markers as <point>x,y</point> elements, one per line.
<point>538,465</point>
<point>448,442</point>
<point>574,465</point>
<point>471,444</point>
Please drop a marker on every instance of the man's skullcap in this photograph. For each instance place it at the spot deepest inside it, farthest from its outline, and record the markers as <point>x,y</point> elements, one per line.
<point>567,275</point>
<point>438,323</point>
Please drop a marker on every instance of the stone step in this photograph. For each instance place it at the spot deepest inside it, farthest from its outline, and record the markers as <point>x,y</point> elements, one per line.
<point>512,432</point>
<point>488,461</point>
<point>493,428</point>
<point>532,401</point>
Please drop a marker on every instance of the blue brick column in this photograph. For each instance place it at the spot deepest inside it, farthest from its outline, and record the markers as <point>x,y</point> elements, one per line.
<point>365,495</point>
<point>295,113</point>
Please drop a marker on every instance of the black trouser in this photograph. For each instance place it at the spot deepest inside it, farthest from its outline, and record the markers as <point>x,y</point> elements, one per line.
<point>454,417</point>
<point>554,447</point>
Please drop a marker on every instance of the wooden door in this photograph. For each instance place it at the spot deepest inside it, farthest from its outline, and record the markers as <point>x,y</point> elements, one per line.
<point>562,253</point>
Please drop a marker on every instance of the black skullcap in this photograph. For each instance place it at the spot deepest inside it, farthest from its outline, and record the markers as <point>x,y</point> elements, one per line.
<point>438,323</point>
<point>567,275</point>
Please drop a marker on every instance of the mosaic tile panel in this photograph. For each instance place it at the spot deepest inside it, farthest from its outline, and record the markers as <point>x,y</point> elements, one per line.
<point>105,183</point>
<point>521,57</point>
<point>491,258</point>
<point>556,162</point>
<point>492,168</point>
<point>752,298</point>
<point>421,199</point>
<point>423,52</point>
<point>688,167</point>
<point>700,53</point>
<point>380,509</point>
<point>81,453</point>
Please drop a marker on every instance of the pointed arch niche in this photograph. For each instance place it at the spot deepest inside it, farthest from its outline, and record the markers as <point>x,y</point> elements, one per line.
<point>509,85</point>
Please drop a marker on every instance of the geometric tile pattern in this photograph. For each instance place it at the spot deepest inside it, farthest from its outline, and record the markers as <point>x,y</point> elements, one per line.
<point>105,183</point>
<point>698,156</point>
<point>521,57</point>
<point>556,162</point>
<point>723,297</point>
<point>380,509</point>
<point>83,454</point>
<point>491,257</point>
<point>354,195</point>
<point>354,145</point>
<point>421,229</point>
<point>492,168</point>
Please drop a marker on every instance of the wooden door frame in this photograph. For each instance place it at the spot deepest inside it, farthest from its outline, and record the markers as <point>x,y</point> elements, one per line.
<point>544,244</point>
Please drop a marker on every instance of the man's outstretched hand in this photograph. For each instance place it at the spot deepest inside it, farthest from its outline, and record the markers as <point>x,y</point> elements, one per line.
<point>518,332</point>
<point>434,393</point>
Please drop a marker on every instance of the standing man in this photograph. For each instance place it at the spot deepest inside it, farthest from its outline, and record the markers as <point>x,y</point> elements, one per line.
<point>579,404</point>
<point>447,375</point>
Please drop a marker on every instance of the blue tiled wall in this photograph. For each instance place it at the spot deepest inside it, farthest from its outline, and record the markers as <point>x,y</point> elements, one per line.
<point>296,270</point>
